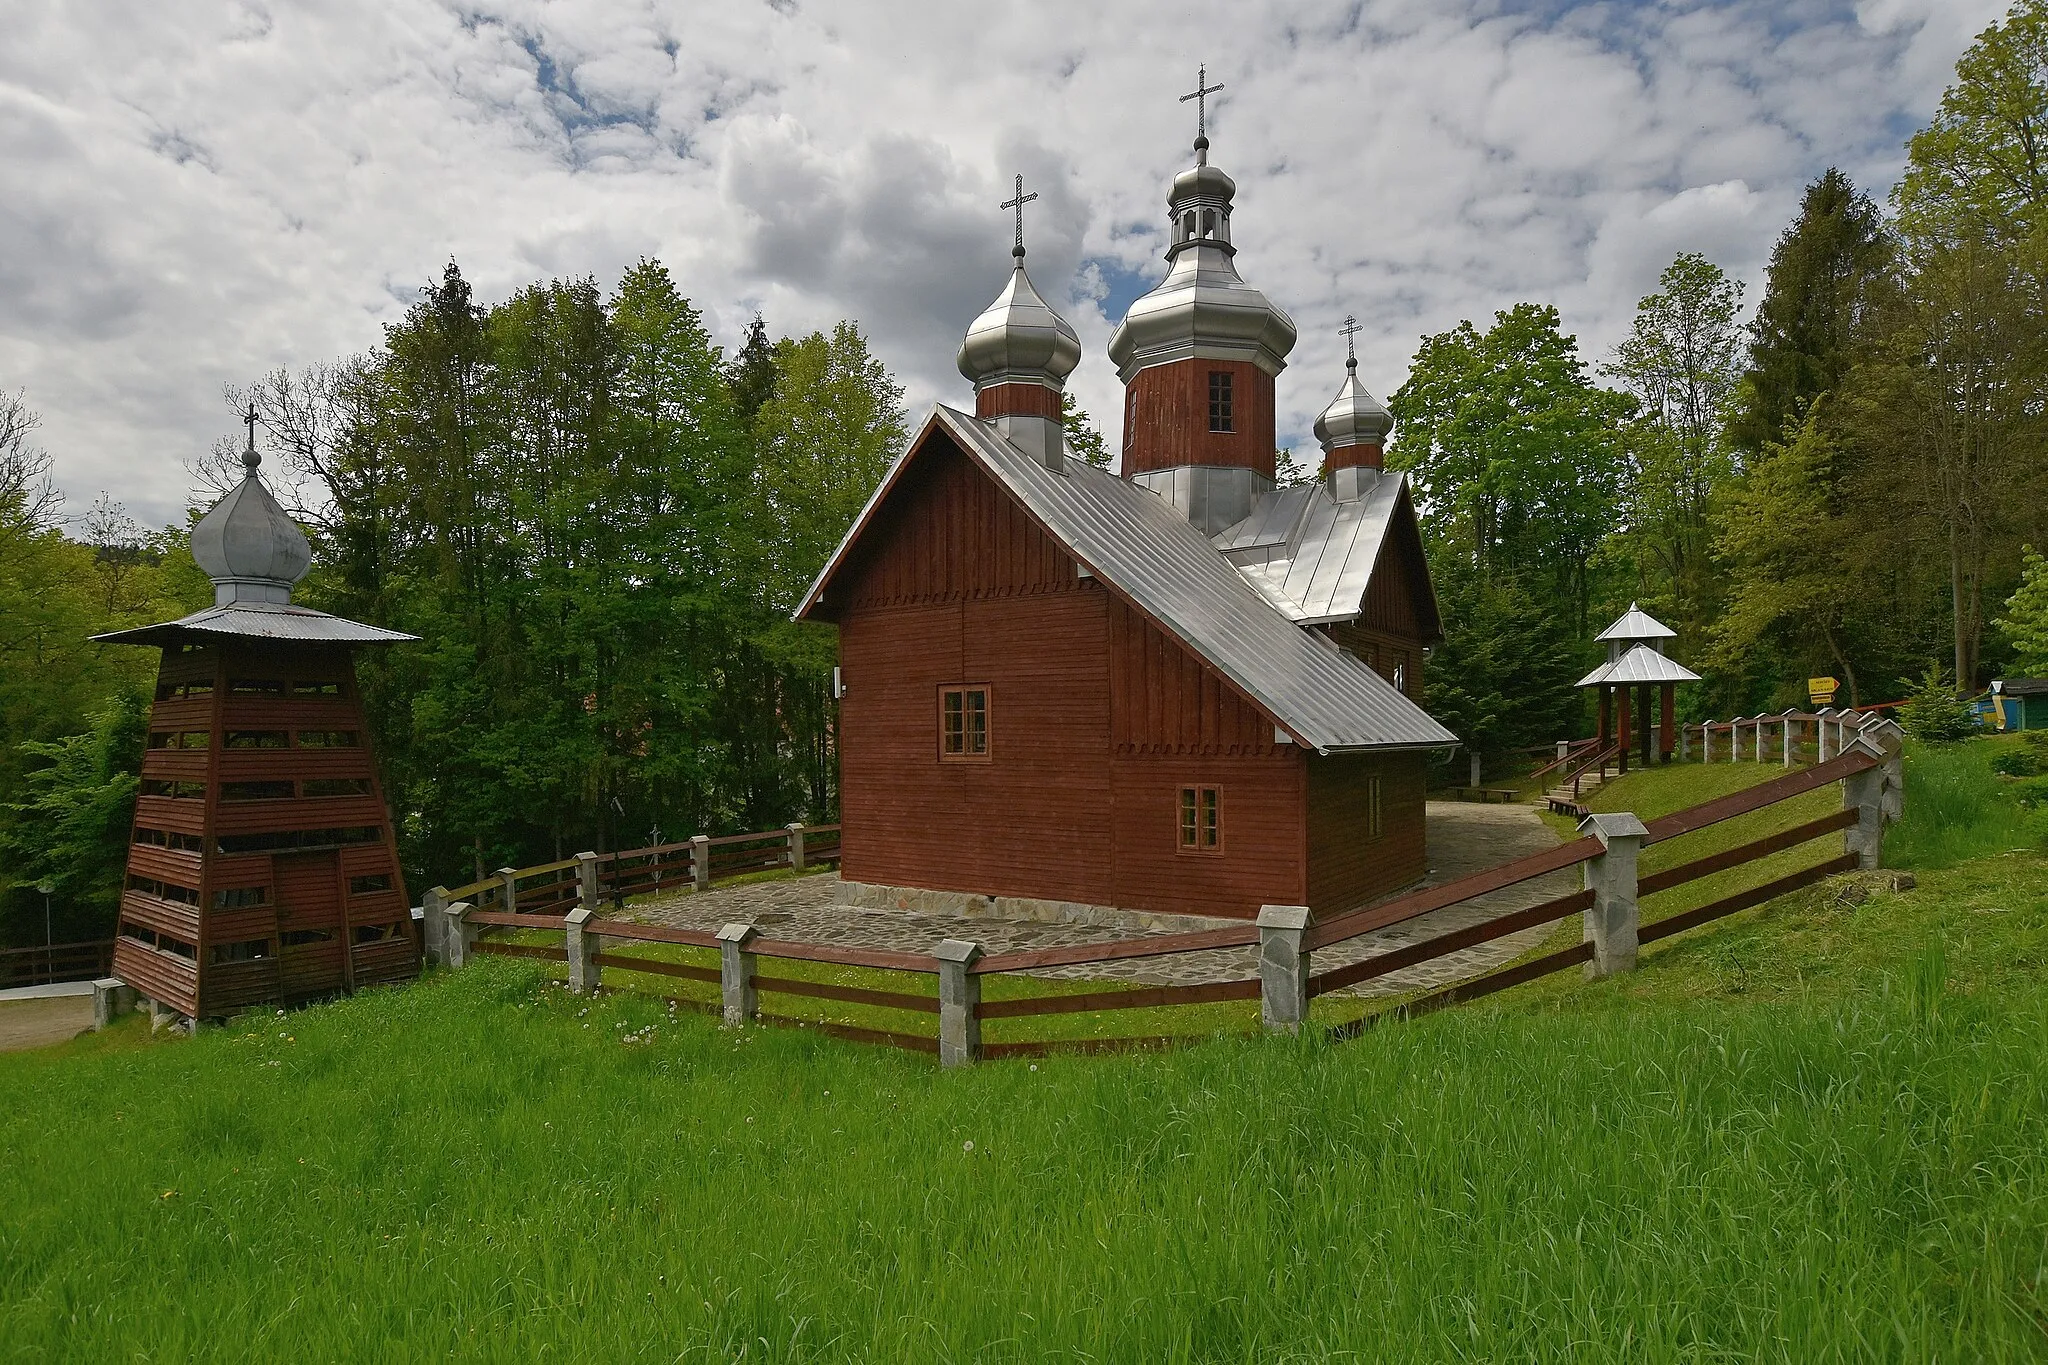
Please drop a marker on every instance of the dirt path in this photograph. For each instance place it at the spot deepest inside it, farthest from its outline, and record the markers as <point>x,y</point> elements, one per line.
<point>39,1023</point>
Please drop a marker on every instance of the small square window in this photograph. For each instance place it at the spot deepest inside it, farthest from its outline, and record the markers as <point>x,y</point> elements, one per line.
<point>1222,416</point>
<point>963,724</point>
<point>1201,820</point>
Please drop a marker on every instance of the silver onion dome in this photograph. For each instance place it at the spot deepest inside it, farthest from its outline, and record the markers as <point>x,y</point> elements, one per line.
<point>246,544</point>
<point>1354,417</point>
<point>1018,339</point>
<point>1202,307</point>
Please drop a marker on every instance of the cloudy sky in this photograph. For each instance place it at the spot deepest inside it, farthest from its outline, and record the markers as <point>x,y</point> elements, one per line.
<point>194,193</point>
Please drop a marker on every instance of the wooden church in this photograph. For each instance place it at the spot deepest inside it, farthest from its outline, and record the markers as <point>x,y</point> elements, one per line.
<point>261,867</point>
<point>1182,691</point>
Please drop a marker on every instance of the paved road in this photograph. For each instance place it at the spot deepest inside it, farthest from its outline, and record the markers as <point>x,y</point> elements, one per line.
<point>1463,838</point>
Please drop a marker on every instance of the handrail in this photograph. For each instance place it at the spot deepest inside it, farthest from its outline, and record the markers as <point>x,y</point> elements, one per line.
<point>102,943</point>
<point>1573,749</point>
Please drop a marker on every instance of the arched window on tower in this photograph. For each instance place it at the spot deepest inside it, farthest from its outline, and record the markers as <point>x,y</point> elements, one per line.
<point>1187,227</point>
<point>1208,224</point>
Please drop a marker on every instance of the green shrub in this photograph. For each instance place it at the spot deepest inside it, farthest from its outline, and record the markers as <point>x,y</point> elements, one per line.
<point>2017,762</point>
<point>1933,712</point>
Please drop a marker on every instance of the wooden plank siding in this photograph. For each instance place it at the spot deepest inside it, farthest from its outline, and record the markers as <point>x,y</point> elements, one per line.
<point>306,889</point>
<point>1347,865</point>
<point>1166,417</point>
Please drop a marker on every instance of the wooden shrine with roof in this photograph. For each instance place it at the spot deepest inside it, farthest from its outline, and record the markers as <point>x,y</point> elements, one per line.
<point>261,867</point>
<point>1636,672</point>
<point>1185,690</point>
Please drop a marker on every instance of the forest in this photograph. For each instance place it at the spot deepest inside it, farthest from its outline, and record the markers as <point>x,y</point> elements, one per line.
<point>597,522</point>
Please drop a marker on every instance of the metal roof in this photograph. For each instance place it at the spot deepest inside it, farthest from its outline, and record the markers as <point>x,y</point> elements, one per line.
<point>1312,555</point>
<point>259,621</point>
<point>1139,545</point>
<point>1637,624</point>
<point>1640,665</point>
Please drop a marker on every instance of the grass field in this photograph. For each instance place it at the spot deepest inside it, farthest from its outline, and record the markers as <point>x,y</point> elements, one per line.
<point>1812,1132</point>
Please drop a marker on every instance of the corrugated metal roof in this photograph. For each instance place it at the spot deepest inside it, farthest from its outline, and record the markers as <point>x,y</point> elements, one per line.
<point>259,621</point>
<point>1640,665</point>
<point>1137,543</point>
<point>1637,624</point>
<point>1319,567</point>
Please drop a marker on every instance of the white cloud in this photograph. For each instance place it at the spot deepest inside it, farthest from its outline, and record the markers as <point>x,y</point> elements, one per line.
<point>191,194</point>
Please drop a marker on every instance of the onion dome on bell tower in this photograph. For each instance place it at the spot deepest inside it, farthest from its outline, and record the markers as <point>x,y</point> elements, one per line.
<point>246,544</point>
<point>1198,355</point>
<point>1018,355</point>
<point>1353,429</point>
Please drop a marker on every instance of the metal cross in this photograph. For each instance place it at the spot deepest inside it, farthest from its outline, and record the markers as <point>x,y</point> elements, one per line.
<point>249,456</point>
<point>1018,204</point>
<point>1200,96</point>
<point>1349,330</point>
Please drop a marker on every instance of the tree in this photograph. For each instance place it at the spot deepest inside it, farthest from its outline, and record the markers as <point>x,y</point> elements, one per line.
<point>71,830</point>
<point>1979,170</point>
<point>1084,442</point>
<point>751,374</point>
<point>2025,623</point>
<point>1782,544</point>
<point>1502,678</point>
<point>1934,712</point>
<point>1815,304</point>
<point>1681,362</point>
<point>1513,452</point>
<point>1948,412</point>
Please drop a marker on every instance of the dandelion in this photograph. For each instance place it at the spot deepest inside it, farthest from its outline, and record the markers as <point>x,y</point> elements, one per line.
<point>967,1146</point>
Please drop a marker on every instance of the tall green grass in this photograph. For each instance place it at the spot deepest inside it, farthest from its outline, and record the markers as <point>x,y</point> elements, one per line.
<point>485,1167</point>
<point>1957,808</point>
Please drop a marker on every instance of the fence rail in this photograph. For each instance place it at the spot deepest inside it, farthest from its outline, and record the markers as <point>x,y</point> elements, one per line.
<point>1867,769</point>
<point>49,963</point>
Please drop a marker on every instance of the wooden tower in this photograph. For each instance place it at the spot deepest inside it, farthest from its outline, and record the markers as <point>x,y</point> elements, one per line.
<point>261,867</point>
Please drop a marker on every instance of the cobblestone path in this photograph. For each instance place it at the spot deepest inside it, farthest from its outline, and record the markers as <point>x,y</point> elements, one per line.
<point>1463,839</point>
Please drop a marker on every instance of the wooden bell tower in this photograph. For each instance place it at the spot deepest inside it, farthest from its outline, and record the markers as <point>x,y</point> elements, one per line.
<point>261,866</point>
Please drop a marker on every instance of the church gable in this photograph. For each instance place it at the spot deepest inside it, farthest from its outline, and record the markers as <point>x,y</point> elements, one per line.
<point>943,530</point>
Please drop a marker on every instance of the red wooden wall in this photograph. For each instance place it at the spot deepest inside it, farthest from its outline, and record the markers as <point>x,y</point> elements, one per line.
<point>1166,417</point>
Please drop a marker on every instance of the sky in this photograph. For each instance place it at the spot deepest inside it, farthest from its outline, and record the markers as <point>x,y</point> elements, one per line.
<point>193,194</point>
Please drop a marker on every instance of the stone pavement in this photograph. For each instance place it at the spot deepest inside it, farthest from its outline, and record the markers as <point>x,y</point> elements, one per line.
<point>1463,838</point>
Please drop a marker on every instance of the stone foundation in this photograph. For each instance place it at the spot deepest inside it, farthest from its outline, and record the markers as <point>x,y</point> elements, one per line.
<point>968,905</point>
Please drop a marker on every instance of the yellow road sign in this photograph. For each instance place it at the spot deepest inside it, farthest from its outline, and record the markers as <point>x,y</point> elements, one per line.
<point>1821,691</point>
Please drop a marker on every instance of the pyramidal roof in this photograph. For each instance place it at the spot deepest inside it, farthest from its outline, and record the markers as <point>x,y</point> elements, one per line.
<point>1637,624</point>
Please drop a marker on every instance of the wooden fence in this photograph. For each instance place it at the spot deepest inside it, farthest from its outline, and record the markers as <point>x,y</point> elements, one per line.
<point>58,962</point>
<point>552,889</point>
<point>1287,937</point>
<point>1784,737</point>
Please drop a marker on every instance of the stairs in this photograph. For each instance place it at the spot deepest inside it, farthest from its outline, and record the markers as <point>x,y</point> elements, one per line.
<point>1565,802</point>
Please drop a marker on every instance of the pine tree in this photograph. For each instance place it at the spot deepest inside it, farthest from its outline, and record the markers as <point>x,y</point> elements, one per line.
<point>751,374</point>
<point>2025,623</point>
<point>1815,300</point>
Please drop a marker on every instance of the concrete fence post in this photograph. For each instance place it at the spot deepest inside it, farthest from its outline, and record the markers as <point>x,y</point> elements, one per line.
<point>736,974</point>
<point>1613,919</point>
<point>700,861</point>
<point>1684,743</point>
<point>588,893</point>
<point>434,925</point>
<point>1823,750</point>
<point>508,890</point>
<point>1564,749</point>
<point>796,844</point>
<point>1707,740</point>
<point>583,949</point>
<point>1474,756</point>
<point>1785,739</point>
<point>111,998</point>
<point>1283,967</point>
<point>459,934</point>
<point>959,1002</point>
<point>1877,795</point>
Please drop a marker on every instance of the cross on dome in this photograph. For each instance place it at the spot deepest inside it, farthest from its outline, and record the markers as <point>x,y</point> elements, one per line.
<point>1200,95</point>
<point>1349,331</point>
<point>250,459</point>
<point>1018,204</point>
